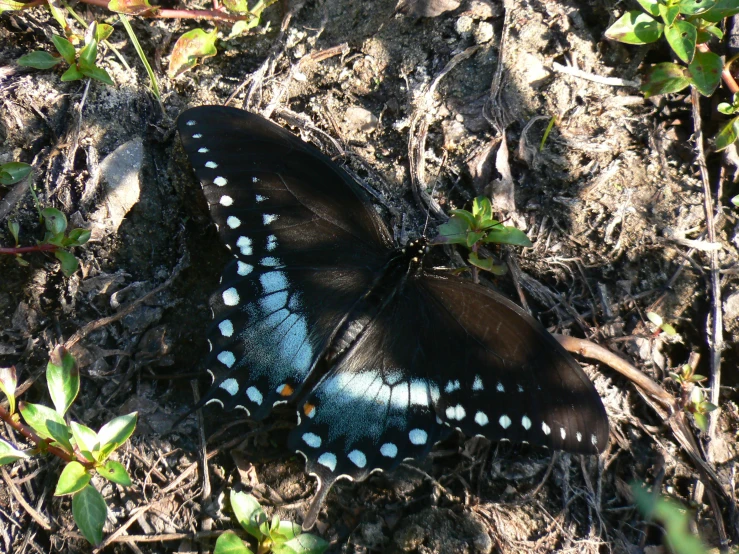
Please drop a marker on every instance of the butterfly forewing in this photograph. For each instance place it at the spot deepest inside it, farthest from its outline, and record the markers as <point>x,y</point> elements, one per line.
<point>306,248</point>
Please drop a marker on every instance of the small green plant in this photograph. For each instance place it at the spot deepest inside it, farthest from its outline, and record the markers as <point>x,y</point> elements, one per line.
<point>476,228</point>
<point>688,26</point>
<point>280,537</point>
<point>693,398</point>
<point>56,239</point>
<point>85,451</point>
<point>666,328</point>
<point>672,516</point>
<point>14,172</point>
<point>81,64</point>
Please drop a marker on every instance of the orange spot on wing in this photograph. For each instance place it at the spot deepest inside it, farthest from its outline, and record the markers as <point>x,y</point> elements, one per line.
<point>308,409</point>
<point>287,390</point>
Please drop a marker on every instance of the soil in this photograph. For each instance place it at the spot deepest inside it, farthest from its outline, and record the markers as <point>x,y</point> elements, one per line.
<point>609,201</point>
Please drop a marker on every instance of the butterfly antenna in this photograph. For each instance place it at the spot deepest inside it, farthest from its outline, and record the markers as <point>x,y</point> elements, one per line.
<point>433,189</point>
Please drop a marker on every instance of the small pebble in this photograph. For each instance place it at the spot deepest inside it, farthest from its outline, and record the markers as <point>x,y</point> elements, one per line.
<point>464,25</point>
<point>484,32</point>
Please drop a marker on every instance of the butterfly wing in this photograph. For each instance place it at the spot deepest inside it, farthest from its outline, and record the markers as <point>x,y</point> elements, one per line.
<point>444,353</point>
<point>306,248</point>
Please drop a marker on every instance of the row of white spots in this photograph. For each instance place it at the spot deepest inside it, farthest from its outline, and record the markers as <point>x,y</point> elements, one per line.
<point>456,412</point>
<point>477,385</point>
<point>357,457</point>
<point>244,244</point>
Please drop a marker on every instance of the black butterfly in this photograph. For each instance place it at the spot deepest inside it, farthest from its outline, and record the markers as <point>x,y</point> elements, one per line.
<point>381,357</point>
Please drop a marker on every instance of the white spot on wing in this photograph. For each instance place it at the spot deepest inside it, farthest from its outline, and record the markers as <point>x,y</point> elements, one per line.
<point>230,297</point>
<point>233,222</point>
<point>211,165</point>
<point>500,387</point>
<point>545,428</point>
<point>505,421</point>
<point>227,358</point>
<point>481,419</point>
<point>358,457</point>
<point>455,412</point>
<point>593,440</point>
<point>231,386</point>
<point>562,433</point>
<point>220,181</point>
<point>327,460</point>
<point>526,422</point>
<point>578,436</point>
<point>312,440</point>
<point>477,384</point>
<point>244,244</point>
<point>243,269</point>
<point>259,197</point>
<point>226,328</point>
<point>271,243</point>
<point>269,218</point>
<point>226,201</point>
<point>191,123</point>
<point>203,150</point>
<point>418,436</point>
<point>389,450</point>
<point>451,386</point>
<point>254,395</point>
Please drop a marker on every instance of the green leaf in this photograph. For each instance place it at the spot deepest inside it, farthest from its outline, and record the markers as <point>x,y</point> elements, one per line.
<point>230,543</point>
<point>8,384</point>
<point>650,6</point>
<point>63,379</point>
<point>728,134</point>
<point>78,237</point>
<point>38,59</point>
<point>473,237</point>
<point>674,518</point>
<point>103,31</point>
<point>655,318</point>
<point>74,478</point>
<point>132,7</point>
<point>482,208</point>
<point>726,108</point>
<point>705,72</point>
<point>635,27</point>
<point>90,511</point>
<point>88,55</point>
<point>72,74</point>
<point>486,264</point>
<point>115,472</point>
<point>305,543</point>
<point>664,78</point>
<point>708,407</point>
<point>54,220</point>
<point>242,26</point>
<point>238,6</point>
<point>10,454</point>
<point>453,232</point>
<point>693,7</point>
<point>735,200</point>
<point>13,172</point>
<point>98,73</point>
<point>10,5</point>
<point>669,13</point>
<point>57,12</point>
<point>114,433</point>
<point>249,513</point>
<point>47,423</point>
<point>69,263</point>
<point>701,421</point>
<point>682,37</point>
<point>712,30</point>
<point>65,48</point>
<point>14,229</point>
<point>283,531</point>
<point>190,47</point>
<point>508,235</point>
<point>721,10</point>
<point>85,438</point>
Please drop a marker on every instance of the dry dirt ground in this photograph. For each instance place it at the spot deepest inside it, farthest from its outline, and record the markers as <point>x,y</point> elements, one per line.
<point>614,205</point>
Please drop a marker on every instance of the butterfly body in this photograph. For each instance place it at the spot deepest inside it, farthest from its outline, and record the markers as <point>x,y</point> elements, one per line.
<point>380,356</point>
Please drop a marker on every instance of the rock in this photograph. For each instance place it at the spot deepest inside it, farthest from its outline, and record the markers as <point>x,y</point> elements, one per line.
<point>359,121</point>
<point>426,8</point>
<point>535,73</point>
<point>118,181</point>
<point>484,9</point>
<point>484,32</point>
<point>464,25</point>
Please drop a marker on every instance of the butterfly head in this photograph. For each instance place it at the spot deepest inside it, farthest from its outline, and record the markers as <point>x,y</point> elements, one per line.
<point>415,251</point>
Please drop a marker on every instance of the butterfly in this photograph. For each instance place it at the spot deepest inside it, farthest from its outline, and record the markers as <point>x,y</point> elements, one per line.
<point>380,356</point>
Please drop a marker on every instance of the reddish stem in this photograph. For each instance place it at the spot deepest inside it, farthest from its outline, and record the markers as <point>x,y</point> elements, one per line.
<point>35,439</point>
<point>165,13</point>
<point>25,249</point>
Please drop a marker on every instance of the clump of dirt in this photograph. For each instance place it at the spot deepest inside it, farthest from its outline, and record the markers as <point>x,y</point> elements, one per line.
<point>612,200</point>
